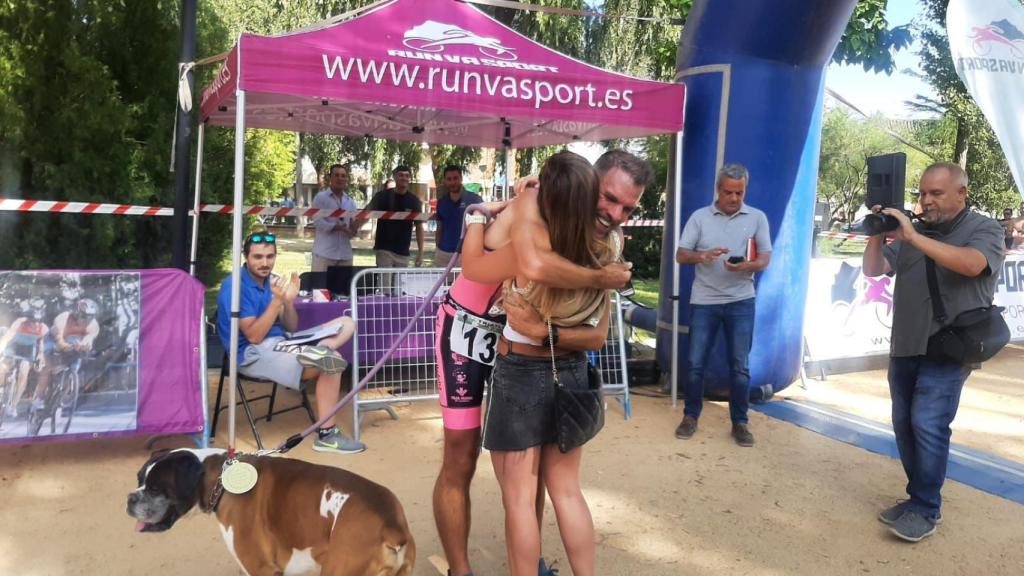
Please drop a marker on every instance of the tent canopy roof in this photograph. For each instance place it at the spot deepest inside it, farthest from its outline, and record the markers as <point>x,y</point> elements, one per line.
<point>434,71</point>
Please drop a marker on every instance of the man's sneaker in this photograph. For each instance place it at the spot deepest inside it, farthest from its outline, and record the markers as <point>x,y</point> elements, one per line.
<point>893,513</point>
<point>335,441</point>
<point>686,428</point>
<point>912,527</point>
<point>323,359</point>
<point>742,435</point>
<point>38,405</point>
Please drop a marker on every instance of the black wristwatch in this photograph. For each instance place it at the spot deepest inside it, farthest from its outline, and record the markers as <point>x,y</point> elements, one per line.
<point>552,340</point>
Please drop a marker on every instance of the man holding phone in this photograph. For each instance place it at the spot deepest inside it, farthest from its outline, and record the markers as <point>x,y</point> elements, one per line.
<point>728,242</point>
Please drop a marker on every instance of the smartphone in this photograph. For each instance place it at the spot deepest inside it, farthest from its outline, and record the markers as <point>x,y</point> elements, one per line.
<point>735,259</point>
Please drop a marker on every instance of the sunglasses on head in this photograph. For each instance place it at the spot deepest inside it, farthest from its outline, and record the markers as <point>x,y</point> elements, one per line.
<point>262,238</point>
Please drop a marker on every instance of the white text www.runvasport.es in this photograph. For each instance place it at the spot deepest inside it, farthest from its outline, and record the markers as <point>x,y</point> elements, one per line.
<point>540,92</point>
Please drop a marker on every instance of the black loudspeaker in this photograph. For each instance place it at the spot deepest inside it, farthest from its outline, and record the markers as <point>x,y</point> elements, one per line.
<point>887,180</point>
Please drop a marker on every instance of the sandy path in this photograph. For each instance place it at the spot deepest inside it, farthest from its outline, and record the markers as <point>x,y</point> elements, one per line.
<point>797,503</point>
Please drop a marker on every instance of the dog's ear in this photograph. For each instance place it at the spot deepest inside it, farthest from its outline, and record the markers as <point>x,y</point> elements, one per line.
<point>189,477</point>
<point>153,459</point>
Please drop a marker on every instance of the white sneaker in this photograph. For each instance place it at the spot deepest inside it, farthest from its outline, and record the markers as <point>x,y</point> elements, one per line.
<point>323,359</point>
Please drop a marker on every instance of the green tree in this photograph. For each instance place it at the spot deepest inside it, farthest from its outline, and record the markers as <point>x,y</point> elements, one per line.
<point>846,144</point>
<point>87,124</point>
<point>965,137</point>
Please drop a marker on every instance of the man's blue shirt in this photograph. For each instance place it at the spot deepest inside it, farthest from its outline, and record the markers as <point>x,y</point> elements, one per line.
<point>253,300</point>
<point>450,215</point>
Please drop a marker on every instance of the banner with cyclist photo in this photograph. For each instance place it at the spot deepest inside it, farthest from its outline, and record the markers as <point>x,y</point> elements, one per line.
<point>849,315</point>
<point>70,353</point>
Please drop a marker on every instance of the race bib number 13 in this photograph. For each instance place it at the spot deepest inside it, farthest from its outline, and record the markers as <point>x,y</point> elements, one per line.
<point>475,338</point>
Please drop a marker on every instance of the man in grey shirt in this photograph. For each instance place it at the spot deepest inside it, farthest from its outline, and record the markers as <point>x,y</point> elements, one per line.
<point>968,252</point>
<point>717,239</point>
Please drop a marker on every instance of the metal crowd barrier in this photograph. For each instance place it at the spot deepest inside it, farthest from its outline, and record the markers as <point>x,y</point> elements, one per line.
<point>385,300</point>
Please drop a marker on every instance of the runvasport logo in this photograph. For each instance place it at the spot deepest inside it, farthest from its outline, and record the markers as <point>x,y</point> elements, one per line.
<point>434,36</point>
<point>1001,33</point>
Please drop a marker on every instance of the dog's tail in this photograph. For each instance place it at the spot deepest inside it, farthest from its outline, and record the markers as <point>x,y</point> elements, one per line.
<point>399,553</point>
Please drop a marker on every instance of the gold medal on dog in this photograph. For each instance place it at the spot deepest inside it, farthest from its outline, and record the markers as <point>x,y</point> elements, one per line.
<point>238,477</point>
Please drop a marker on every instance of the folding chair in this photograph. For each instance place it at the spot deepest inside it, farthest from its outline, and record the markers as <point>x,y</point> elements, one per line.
<point>245,401</point>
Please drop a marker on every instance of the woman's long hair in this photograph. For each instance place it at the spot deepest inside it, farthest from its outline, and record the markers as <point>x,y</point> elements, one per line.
<point>567,200</point>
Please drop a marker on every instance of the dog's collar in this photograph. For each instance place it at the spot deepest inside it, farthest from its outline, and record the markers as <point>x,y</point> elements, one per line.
<point>218,493</point>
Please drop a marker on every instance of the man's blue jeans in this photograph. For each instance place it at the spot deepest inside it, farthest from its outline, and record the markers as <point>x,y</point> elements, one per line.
<point>925,397</point>
<point>737,318</point>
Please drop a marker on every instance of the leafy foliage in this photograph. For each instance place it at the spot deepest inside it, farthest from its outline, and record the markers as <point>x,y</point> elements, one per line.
<point>869,41</point>
<point>964,136</point>
<point>846,143</point>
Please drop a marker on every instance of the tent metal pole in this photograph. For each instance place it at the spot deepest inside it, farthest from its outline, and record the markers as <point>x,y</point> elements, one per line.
<point>678,211</point>
<point>183,128</point>
<point>236,250</point>
<point>195,204</point>
<point>508,177</point>
<point>506,143</point>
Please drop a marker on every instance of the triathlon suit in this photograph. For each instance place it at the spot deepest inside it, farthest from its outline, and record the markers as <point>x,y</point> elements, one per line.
<point>26,340</point>
<point>467,320</point>
<point>74,332</point>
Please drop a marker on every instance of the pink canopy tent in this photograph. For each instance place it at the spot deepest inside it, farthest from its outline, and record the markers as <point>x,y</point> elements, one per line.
<point>435,71</point>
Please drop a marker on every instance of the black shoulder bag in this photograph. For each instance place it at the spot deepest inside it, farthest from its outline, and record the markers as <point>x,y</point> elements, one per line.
<point>579,413</point>
<point>973,336</point>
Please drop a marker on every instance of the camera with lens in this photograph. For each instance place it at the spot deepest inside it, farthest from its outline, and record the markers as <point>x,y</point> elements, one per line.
<point>881,223</point>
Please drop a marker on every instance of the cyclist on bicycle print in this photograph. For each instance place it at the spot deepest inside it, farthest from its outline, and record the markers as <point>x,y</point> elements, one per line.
<point>72,336</point>
<point>21,347</point>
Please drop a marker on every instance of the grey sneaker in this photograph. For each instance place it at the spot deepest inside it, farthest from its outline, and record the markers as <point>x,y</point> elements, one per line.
<point>686,428</point>
<point>893,513</point>
<point>323,359</point>
<point>335,441</point>
<point>912,527</point>
<point>742,435</point>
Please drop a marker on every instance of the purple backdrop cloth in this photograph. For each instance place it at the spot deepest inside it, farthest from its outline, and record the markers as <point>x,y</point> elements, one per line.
<point>381,319</point>
<point>170,399</point>
<point>170,393</point>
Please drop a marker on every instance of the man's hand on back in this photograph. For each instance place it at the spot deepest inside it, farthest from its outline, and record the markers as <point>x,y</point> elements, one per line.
<point>615,275</point>
<point>523,317</point>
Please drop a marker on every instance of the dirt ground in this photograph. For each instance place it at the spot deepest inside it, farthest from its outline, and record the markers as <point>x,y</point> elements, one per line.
<point>796,504</point>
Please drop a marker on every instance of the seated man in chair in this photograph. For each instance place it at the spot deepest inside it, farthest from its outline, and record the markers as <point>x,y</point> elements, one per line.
<point>266,310</point>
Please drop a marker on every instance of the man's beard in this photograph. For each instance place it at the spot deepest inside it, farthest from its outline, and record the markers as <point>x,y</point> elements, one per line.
<point>934,217</point>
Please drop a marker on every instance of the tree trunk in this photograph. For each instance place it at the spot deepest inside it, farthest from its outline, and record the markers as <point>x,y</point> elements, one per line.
<point>960,145</point>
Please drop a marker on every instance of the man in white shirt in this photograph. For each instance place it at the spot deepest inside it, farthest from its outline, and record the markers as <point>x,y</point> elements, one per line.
<point>332,245</point>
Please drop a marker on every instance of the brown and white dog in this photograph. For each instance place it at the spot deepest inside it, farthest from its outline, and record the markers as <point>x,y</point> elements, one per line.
<point>299,518</point>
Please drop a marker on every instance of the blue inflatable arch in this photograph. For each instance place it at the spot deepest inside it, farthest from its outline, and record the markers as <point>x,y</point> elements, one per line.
<point>755,79</point>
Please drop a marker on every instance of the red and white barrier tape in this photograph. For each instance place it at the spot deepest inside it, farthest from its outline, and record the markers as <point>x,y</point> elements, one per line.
<point>20,205</point>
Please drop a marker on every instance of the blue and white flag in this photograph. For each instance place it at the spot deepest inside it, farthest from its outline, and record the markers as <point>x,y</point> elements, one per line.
<point>986,39</point>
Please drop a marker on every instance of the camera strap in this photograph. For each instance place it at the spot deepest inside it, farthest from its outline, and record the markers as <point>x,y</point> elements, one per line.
<point>938,308</point>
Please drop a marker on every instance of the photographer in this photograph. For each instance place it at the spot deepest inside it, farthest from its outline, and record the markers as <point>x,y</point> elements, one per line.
<point>967,250</point>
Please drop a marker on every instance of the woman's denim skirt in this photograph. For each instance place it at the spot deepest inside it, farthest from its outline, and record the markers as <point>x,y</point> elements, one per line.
<point>521,406</point>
